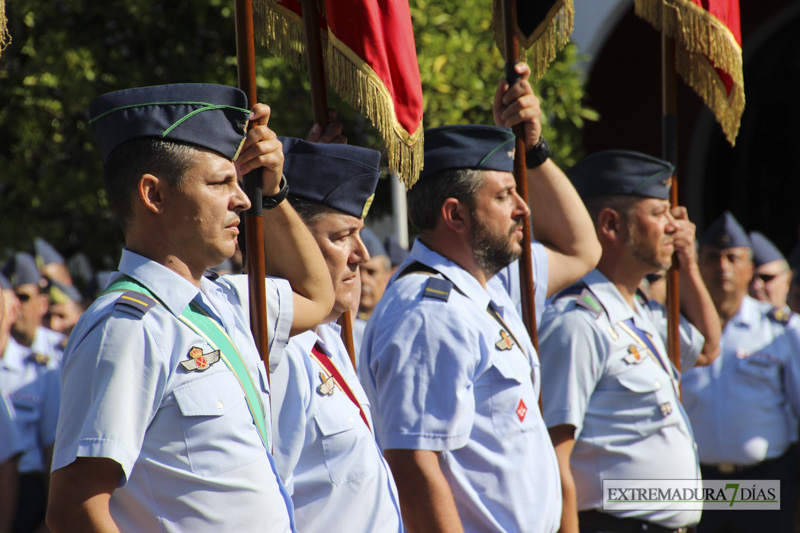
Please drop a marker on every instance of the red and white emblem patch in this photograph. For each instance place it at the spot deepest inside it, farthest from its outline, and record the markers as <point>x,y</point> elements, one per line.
<point>522,410</point>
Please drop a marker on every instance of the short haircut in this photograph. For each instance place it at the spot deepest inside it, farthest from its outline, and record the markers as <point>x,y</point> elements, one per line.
<point>309,210</point>
<point>130,161</point>
<point>620,203</point>
<point>426,197</point>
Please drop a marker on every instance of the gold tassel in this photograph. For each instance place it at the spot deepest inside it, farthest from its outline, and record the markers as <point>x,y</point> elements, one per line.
<point>702,38</point>
<point>360,86</point>
<point>546,41</point>
<point>5,37</point>
<point>281,31</point>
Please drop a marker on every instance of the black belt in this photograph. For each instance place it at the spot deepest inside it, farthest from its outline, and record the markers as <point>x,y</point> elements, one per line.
<point>607,522</point>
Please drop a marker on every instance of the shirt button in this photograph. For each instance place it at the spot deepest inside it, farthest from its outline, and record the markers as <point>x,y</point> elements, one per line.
<point>350,419</point>
<point>657,383</point>
<point>219,405</point>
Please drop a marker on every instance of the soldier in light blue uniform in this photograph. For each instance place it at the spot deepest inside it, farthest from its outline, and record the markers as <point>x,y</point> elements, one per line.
<point>743,407</point>
<point>446,361</point>
<point>772,276</point>
<point>28,330</point>
<point>324,446</point>
<point>165,418</point>
<point>610,392</point>
<point>31,381</point>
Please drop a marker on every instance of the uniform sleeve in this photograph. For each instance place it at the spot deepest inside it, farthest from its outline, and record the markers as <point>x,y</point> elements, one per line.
<point>572,361</point>
<point>113,382</point>
<point>791,374</point>
<point>291,400</point>
<point>421,367</point>
<point>49,419</point>
<point>10,443</point>
<point>691,338</point>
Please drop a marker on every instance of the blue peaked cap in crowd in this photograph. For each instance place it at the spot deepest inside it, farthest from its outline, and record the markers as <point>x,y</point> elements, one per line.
<point>204,115</point>
<point>60,293</point>
<point>397,253</point>
<point>622,173</point>
<point>764,250</point>
<point>468,146</point>
<point>725,232</point>
<point>45,254</point>
<point>372,242</point>
<point>21,269</point>
<point>339,176</point>
<point>4,283</point>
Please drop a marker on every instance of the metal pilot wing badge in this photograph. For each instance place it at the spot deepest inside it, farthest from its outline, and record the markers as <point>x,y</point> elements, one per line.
<point>327,386</point>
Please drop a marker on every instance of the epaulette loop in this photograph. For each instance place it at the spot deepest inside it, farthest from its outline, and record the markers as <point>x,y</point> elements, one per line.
<point>780,315</point>
<point>135,303</point>
<point>588,301</point>
<point>438,288</point>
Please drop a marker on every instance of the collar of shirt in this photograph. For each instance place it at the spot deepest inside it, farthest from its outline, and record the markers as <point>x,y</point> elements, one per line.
<point>615,305</point>
<point>465,281</point>
<point>749,312</point>
<point>15,355</point>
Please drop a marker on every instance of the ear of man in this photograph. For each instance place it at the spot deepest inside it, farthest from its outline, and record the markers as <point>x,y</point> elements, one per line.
<point>609,225</point>
<point>152,193</point>
<point>456,216</point>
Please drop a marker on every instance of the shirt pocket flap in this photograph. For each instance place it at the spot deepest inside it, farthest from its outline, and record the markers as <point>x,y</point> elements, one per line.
<point>508,369</point>
<point>641,382</point>
<point>334,421</point>
<point>212,395</point>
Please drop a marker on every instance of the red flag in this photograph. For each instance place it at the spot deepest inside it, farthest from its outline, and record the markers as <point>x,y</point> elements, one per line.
<point>371,62</point>
<point>543,26</point>
<point>709,55</point>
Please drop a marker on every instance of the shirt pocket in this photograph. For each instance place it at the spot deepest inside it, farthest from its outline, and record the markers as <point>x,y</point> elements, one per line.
<point>650,401</point>
<point>218,429</point>
<point>512,396</point>
<point>760,370</point>
<point>342,441</point>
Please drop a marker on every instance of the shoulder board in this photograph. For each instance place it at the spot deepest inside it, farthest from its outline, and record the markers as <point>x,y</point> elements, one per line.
<point>438,288</point>
<point>572,290</point>
<point>780,315</point>
<point>135,303</point>
<point>588,301</point>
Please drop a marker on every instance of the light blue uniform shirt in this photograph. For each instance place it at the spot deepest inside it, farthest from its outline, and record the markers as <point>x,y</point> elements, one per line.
<point>629,420</point>
<point>742,405</point>
<point>32,384</point>
<point>10,442</point>
<point>508,280</point>
<point>437,380</point>
<point>192,458</point>
<point>359,325</point>
<point>50,343</point>
<point>324,451</point>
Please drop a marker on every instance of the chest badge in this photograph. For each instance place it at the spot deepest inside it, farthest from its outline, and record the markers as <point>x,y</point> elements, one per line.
<point>666,408</point>
<point>200,361</point>
<point>505,342</point>
<point>634,356</point>
<point>327,386</point>
<point>522,410</point>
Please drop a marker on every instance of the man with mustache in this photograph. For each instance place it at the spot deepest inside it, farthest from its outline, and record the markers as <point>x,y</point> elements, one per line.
<point>164,422</point>
<point>609,391</point>
<point>451,374</point>
<point>744,406</point>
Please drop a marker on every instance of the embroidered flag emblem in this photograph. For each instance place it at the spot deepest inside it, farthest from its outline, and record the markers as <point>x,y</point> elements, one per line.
<point>505,342</point>
<point>200,361</point>
<point>522,410</point>
<point>328,384</point>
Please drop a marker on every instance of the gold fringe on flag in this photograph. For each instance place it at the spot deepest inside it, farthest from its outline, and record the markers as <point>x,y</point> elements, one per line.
<point>5,37</point>
<point>705,43</point>
<point>357,84</point>
<point>550,37</point>
<point>281,30</point>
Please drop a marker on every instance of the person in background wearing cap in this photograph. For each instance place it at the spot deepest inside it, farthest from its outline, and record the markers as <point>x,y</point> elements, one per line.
<point>64,310</point>
<point>610,392</point>
<point>449,369</point>
<point>375,274</point>
<point>51,263</point>
<point>29,329</point>
<point>772,276</point>
<point>324,447</point>
<point>31,382</point>
<point>743,407</point>
<point>11,446</point>
<point>165,424</point>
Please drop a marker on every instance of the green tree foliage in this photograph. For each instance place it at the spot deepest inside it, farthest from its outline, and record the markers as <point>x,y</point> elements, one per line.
<point>65,52</point>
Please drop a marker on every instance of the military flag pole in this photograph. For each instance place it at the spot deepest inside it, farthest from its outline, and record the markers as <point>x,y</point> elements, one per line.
<point>254,229</point>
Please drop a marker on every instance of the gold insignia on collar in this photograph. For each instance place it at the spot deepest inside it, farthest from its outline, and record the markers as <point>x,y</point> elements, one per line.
<point>367,205</point>
<point>41,359</point>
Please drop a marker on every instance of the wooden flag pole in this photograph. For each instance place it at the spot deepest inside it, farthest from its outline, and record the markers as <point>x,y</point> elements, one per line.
<point>669,133</point>
<point>319,104</point>
<point>253,220</point>
<point>511,54</point>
